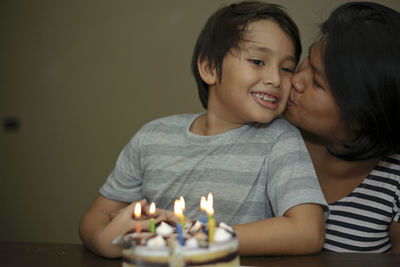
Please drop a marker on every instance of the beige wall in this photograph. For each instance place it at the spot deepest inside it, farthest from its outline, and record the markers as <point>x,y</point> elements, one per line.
<point>82,76</point>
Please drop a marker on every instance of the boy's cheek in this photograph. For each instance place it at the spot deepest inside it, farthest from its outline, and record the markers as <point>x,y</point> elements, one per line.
<point>286,88</point>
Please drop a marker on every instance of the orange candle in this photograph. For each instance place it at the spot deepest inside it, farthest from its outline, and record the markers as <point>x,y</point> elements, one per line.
<point>138,212</point>
<point>203,204</point>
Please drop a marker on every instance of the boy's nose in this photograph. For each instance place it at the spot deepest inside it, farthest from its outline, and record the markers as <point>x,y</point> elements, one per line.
<point>272,77</point>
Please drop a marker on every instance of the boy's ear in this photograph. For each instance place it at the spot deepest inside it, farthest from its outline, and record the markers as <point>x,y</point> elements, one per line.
<point>207,71</point>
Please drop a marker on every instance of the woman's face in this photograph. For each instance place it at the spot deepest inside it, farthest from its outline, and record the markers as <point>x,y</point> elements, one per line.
<point>311,105</point>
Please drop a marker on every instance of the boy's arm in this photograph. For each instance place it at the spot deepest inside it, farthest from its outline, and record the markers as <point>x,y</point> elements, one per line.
<point>301,230</point>
<point>105,220</point>
<point>92,228</point>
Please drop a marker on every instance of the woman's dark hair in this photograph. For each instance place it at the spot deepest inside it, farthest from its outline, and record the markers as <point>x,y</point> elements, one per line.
<point>225,29</point>
<point>361,58</point>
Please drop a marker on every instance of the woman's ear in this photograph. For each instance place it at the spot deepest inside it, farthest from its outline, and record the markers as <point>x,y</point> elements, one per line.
<point>207,71</point>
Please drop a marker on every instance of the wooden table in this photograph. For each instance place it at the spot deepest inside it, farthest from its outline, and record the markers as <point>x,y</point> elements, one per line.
<point>70,255</point>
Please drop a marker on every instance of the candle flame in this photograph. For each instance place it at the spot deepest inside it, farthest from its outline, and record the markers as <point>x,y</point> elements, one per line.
<point>210,200</point>
<point>138,210</point>
<point>203,203</point>
<point>177,208</point>
<point>152,208</point>
<point>210,203</point>
<point>182,201</point>
<point>210,210</point>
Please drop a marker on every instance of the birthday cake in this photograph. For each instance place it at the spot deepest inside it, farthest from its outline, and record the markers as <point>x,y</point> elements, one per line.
<point>191,247</point>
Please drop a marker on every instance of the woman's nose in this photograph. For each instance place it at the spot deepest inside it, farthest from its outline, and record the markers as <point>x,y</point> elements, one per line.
<point>298,79</point>
<point>298,83</point>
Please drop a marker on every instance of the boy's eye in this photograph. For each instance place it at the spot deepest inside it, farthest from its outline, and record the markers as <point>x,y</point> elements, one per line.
<point>257,62</point>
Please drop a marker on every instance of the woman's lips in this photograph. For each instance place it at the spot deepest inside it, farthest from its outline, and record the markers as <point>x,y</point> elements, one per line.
<point>291,98</point>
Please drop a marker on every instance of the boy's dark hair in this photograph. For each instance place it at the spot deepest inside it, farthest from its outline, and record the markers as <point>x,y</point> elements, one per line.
<point>361,58</point>
<point>225,29</point>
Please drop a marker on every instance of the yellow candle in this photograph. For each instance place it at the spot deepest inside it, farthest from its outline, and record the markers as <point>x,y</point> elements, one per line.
<point>211,220</point>
<point>211,227</point>
<point>182,203</point>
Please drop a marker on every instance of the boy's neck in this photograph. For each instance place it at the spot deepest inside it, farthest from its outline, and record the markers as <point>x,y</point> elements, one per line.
<point>208,124</point>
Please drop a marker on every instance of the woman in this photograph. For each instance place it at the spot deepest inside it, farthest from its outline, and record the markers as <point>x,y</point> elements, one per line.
<point>346,101</point>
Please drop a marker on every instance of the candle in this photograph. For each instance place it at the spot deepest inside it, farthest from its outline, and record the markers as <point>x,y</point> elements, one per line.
<point>182,202</point>
<point>203,204</point>
<point>152,223</point>
<point>180,234</point>
<point>210,200</point>
<point>211,220</point>
<point>211,227</point>
<point>178,212</point>
<point>138,212</point>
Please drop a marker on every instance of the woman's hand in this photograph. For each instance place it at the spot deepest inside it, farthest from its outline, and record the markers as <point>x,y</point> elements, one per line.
<point>143,204</point>
<point>165,215</point>
<point>125,217</point>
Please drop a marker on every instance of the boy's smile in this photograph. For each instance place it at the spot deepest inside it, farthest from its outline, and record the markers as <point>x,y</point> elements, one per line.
<point>255,82</point>
<point>267,100</point>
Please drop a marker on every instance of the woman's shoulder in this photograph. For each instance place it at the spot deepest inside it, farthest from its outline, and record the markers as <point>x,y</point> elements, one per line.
<point>389,169</point>
<point>393,159</point>
<point>391,164</point>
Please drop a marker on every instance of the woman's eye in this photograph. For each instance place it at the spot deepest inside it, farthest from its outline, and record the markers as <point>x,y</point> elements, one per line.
<point>316,83</point>
<point>289,70</point>
<point>257,62</point>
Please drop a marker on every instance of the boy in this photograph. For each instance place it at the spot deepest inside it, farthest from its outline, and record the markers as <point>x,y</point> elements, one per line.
<point>255,164</point>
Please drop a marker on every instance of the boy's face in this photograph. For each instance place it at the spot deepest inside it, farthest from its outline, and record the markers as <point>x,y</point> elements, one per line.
<point>255,82</point>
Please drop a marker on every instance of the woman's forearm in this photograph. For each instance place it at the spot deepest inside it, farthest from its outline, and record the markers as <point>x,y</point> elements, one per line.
<point>300,231</point>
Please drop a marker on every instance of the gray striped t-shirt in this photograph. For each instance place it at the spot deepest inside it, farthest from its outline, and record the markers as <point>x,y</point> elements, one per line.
<point>254,172</point>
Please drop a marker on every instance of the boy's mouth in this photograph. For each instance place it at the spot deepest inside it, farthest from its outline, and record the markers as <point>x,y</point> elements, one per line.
<point>265,97</point>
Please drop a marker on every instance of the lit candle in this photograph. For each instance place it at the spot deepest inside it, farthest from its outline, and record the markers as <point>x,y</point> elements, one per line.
<point>180,234</point>
<point>138,212</point>
<point>211,220</point>
<point>152,223</point>
<point>182,202</point>
<point>178,212</point>
<point>203,204</point>
<point>211,227</point>
<point>210,200</point>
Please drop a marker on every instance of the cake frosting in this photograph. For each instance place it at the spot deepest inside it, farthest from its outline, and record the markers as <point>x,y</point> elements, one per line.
<point>162,248</point>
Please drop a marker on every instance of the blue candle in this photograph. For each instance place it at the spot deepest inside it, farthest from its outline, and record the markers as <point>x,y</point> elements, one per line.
<point>204,223</point>
<point>178,213</point>
<point>203,206</point>
<point>180,234</point>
